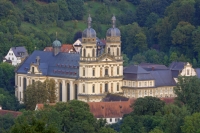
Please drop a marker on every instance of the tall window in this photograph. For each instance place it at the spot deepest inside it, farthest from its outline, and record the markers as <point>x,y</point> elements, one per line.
<point>188,72</point>
<point>117,51</point>
<point>33,70</point>
<point>109,50</point>
<point>93,53</point>
<point>106,71</point>
<point>145,83</point>
<point>106,87</point>
<point>93,72</point>
<point>117,70</point>
<point>100,88</point>
<point>60,91</point>
<point>84,53</point>
<point>33,81</point>
<point>76,92</point>
<point>83,71</point>
<point>24,83</point>
<point>117,86</point>
<point>20,81</point>
<point>68,91</point>
<point>83,88</point>
<point>111,87</point>
<point>111,71</point>
<point>93,89</point>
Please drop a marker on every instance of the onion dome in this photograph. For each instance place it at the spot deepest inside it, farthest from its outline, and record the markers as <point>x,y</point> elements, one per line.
<point>113,32</point>
<point>89,32</point>
<point>57,43</point>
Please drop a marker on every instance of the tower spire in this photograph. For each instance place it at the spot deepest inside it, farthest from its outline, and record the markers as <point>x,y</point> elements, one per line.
<point>89,21</point>
<point>113,20</point>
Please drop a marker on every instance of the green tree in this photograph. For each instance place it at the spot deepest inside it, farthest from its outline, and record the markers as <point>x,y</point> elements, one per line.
<point>191,124</point>
<point>39,92</point>
<point>6,122</point>
<point>126,60</point>
<point>187,91</point>
<point>147,105</point>
<point>156,130</point>
<point>182,37</point>
<point>7,77</point>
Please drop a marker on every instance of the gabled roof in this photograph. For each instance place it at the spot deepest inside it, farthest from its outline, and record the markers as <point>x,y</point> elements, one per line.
<point>12,113</point>
<point>177,65</point>
<point>18,50</point>
<point>61,65</point>
<point>163,78</point>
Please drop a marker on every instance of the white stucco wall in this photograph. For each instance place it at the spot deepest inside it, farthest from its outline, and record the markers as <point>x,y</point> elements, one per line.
<point>11,56</point>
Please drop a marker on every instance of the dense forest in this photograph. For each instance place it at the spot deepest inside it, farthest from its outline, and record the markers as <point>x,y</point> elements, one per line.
<point>151,30</point>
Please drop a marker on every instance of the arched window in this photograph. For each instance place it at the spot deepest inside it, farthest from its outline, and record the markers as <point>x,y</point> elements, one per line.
<point>109,50</point>
<point>111,87</point>
<point>68,91</point>
<point>93,72</point>
<point>60,91</point>
<point>118,70</point>
<point>83,71</point>
<point>83,88</point>
<point>106,71</point>
<point>106,87</point>
<point>84,53</point>
<point>93,53</point>
<point>76,92</point>
<point>93,89</point>
<point>100,88</point>
<point>117,86</point>
<point>117,51</point>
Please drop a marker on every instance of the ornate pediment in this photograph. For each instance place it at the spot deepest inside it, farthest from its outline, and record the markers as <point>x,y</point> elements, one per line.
<point>106,57</point>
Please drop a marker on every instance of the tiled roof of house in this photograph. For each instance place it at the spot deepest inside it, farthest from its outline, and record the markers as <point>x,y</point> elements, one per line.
<point>110,109</point>
<point>64,48</point>
<point>18,50</point>
<point>177,65</point>
<point>61,65</point>
<point>163,78</point>
<point>13,113</point>
<point>135,72</point>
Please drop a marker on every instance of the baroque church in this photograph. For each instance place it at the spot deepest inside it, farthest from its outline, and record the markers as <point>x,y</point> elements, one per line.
<point>97,70</point>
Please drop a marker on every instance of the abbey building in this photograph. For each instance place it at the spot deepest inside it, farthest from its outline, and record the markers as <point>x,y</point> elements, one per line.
<point>97,70</point>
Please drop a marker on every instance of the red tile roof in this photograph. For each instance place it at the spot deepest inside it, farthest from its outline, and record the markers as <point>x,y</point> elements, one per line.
<point>110,109</point>
<point>64,48</point>
<point>13,113</point>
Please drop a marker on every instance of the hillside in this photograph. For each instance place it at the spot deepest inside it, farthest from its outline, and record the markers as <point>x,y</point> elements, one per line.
<point>152,31</point>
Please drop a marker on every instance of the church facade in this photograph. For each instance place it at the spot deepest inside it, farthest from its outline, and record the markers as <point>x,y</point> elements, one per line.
<point>87,76</point>
<point>97,69</point>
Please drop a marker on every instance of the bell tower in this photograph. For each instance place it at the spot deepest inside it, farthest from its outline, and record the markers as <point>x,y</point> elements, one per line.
<point>89,48</point>
<point>113,40</point>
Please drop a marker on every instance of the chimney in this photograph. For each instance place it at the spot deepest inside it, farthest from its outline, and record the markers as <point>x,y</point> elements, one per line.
<point>152,68</point>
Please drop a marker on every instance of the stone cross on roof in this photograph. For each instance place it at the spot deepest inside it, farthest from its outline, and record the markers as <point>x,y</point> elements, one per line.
<point>113,20</point>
